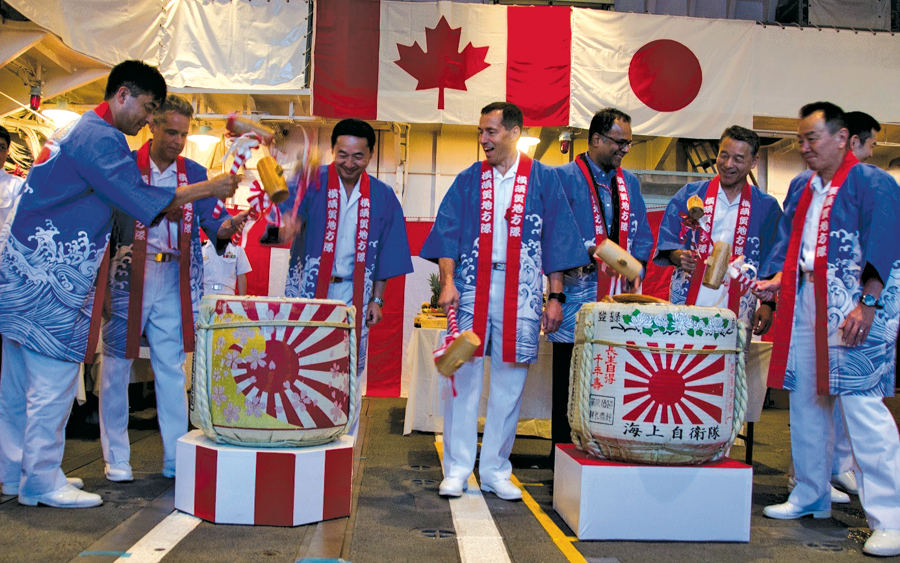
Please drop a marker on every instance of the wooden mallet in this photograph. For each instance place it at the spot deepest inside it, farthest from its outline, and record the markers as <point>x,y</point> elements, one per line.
<point>618,259</point>
<point>717,265</point>
<point>457,348</point>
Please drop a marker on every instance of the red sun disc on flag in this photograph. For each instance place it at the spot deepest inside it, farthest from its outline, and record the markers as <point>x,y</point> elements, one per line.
<point>665,75</point>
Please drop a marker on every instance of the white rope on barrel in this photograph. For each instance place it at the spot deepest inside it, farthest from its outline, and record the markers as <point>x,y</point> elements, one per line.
<point>201,414</point>
<point>579,410</point>
<point>201,407</point>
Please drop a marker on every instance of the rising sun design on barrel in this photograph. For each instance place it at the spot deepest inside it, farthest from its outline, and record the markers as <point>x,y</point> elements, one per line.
<point>671,387</point>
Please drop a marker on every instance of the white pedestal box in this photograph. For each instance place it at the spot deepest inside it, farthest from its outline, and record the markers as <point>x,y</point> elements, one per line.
<point>263,486</point>
<point>607,500</point>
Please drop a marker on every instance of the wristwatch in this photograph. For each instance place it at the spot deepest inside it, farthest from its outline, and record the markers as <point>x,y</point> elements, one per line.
<point>378,301</point>
<point>561,297</point>
<point>871,301</point>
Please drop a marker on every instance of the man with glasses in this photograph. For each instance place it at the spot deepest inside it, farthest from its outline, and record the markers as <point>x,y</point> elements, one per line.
<point>607,203</point>
<point>9,184</point>
<point>51,256</point>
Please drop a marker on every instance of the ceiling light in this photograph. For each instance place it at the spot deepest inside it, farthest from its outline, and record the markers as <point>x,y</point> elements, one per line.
<point>526,142</point>
<point>203,138</point>
<point>60,114</point>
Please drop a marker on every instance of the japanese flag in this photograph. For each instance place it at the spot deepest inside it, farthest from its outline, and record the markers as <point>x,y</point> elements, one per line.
<point>675,76</point>
<point>441,62</point>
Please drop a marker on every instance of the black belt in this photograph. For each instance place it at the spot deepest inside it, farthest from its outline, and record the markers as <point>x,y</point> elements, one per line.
<point>162,257</point>
<point>335,279</point>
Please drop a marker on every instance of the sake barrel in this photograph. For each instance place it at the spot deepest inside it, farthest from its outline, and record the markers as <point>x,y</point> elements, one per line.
<point>274,371</point>
<point>657,383</point>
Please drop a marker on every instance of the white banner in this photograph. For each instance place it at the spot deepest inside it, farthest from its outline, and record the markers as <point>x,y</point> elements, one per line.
<point>203,44</point>
<point>857,71</point>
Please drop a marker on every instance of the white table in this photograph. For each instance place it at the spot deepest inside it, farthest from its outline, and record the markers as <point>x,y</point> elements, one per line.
<point>425,405</point>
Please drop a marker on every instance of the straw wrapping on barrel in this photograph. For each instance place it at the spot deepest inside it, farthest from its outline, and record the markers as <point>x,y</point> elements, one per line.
<point>654,453</point>
<point>201,411</point>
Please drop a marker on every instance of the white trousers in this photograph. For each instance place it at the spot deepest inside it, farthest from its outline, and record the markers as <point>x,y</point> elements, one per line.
<point>343,291</point>
<point>161,321</point>
<point>461,412</point>
<point>843,455</point>
<point>871,430</point>
<point>36,394</point>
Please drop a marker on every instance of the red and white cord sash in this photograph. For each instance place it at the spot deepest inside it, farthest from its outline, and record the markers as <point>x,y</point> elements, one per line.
<point>329,245</point>
<point>738,247</point>
<point>451,335</point>
<point>784,320</point>
<point>138,264</point>
<point>515,216</point>
<point>241,147</point>
<point>604,280</point>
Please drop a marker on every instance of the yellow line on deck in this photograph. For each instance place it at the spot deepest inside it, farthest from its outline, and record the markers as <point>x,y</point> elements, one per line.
<point>562,541</point>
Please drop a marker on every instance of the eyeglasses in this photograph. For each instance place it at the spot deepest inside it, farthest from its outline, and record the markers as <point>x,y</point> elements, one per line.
<point>623,144</point>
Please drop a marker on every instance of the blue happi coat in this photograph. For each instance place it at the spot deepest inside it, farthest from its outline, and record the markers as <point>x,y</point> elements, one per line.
<point>765,214</point>
<point>580,284</point>
<point>115,326</point>
<point>387,255</point>
<point>53,243</point>
<point>863,229</point>
<point>550,243</point>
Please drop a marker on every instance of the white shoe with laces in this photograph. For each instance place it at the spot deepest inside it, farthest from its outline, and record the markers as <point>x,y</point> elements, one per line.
<point>837,497</point>
<point>790,511</point>
<point>883,543</point>
<point>846,482</point>
<point>119,473</point>
<point>66,496</point>
<point>12,489</point>
<point>452,487</point>
<point>503,488</point>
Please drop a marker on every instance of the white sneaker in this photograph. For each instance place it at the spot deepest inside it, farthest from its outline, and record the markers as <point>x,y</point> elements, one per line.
<point>846,482</point>
<point>884,543</point>
<point>119,473</point>
<point>66,496</point>
<point>13,488</point>
<point>790,511</point>
<point>503,488</point>
<point>452,487</point>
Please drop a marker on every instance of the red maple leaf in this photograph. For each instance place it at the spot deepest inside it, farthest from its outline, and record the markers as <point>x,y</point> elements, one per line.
<point>443,66</point>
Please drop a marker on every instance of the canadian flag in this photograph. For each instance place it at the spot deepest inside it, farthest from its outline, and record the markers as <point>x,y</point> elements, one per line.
<point>441,62</point>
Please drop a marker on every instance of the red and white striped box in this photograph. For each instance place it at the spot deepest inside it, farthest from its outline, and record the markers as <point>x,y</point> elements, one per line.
<point>608,500</point>
<point>263,486</point>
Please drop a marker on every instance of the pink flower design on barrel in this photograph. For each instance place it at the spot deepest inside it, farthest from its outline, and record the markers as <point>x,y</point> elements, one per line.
<point>232,412</point>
